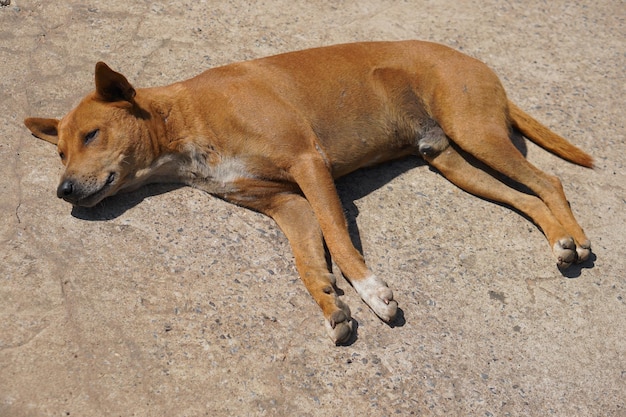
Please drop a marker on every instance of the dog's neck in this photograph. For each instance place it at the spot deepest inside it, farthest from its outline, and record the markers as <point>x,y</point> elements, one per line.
<point>164,116</point>
<point>182,149</point>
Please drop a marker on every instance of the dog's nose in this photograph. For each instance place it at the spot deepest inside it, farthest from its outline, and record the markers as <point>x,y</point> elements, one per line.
<point>66,188</point>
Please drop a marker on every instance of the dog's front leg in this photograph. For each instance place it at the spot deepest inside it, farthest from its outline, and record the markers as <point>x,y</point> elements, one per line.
<point>318,186</point>
<point>294,216</point>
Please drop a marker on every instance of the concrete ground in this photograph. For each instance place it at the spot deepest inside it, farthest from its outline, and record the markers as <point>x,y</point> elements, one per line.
<point>169,302</point>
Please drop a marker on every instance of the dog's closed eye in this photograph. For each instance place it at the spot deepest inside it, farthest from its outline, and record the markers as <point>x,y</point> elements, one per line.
<point>89,137</point>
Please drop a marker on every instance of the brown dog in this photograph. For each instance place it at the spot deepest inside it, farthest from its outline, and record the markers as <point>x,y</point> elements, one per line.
<point>272,134</point>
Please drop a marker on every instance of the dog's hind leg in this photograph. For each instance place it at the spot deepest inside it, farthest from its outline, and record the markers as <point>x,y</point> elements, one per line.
<point>472,179</point>
<point>316,182</point>
<point>294,216</point>
<point>495,149</point>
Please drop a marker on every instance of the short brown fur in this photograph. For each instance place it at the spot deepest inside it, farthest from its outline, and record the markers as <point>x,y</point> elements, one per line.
<point>272,135</point>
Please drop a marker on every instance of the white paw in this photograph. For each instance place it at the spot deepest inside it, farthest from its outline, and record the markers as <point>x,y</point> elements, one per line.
<point>378,296</point>
<point>583,251</point>
<point>565,252</point>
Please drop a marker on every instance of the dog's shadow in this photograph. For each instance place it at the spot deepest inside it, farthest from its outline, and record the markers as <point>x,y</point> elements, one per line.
<point>116,205</point>
<point>363,182</point>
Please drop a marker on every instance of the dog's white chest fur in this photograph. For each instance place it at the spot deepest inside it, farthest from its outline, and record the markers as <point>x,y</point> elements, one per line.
<point>211,173</point>
<point>192,166</point>
<point>221,177</point>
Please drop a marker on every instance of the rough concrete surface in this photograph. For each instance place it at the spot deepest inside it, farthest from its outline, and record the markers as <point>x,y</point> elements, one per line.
<point>169,302</point>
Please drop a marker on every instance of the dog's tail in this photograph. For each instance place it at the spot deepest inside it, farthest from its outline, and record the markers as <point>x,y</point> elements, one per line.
<point>546,138</point>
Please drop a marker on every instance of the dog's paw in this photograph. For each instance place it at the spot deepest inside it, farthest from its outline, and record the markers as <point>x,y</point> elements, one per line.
<point>565,252</point>
<point>378,296</point>
<point>339,325</point>
<point>583,251</point>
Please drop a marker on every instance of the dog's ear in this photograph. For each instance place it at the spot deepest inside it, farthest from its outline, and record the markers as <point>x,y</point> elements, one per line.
<point>111,85</point>
<point>45,129</point>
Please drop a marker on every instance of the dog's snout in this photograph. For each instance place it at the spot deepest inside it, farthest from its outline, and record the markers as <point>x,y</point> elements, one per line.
<point>65,190</point>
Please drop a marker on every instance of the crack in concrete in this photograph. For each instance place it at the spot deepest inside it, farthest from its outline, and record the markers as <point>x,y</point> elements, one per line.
<point>17,212</point>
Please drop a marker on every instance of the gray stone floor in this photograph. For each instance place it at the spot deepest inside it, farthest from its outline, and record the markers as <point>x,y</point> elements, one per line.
<point>169,302</point>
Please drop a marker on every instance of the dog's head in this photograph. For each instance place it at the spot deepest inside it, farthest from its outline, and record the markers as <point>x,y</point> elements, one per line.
<point>103,143</point>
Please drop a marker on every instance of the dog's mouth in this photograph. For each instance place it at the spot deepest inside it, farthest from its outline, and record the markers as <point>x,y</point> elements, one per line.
<point>98,195</point>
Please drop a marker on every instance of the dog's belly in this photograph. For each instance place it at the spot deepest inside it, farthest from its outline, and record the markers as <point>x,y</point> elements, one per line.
<point>344,164</point>
<point>347,154</point>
